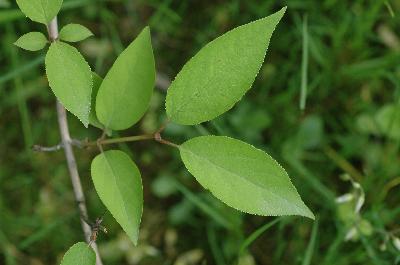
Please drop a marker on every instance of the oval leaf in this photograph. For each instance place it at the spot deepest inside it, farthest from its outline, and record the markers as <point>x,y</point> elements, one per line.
<point>119,185</point>
<point>242,176</point>
<point>220,73</point>
<point>74,33</point>
<point>32,41</point>
<point>70,78</point>
<point>125,92</point>
<point>81,254</point>
<point>42,11</point>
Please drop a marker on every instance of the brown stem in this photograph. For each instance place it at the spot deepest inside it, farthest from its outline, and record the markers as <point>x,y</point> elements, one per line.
<point>120,140</point>
<point>158,138</point>
<point>39,148</point>
<point>71,161</point>
<point>84,143</point>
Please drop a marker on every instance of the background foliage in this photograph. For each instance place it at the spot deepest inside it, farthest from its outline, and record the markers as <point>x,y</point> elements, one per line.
<point>350,125</point>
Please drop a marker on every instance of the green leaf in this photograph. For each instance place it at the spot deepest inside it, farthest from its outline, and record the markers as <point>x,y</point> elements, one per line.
<point>119,185</point>
<point>42,11</point>
<point>242,176</point>
<point>220,73</point>
<point>74,33</point>
<point>93,120</point>
<point>81,254</point>
<point>125,92</point>
<point>32,41</point>
<point>70,78</point>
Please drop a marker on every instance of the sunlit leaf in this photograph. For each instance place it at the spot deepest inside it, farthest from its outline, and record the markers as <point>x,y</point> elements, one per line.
<point>42,11</point>
<point>125,93</point>
<point>70,78</point>
<point>74,33</point>
<point>32,41</point>
<point>242,176</point>
<point>220,73</point>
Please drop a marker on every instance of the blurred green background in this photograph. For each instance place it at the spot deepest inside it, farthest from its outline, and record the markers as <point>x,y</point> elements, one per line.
<point>346,54</point>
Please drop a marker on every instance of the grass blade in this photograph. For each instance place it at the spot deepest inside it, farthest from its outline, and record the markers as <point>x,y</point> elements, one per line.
<point>390,9</point>
<point>304,65</point>
<point>311,244</point>
<point>21,69</point>
<point>212,212</point>
<point>253,236</point>
<point>215,248</point>
<point>19,87</point>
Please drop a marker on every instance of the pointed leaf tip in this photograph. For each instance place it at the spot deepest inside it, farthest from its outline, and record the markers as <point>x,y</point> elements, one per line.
<point>124,94</point>
<point>119,185</point>
<point>242,176</point>
<point>32,41</point>
<point>220,74</point>
<point>74,33</point>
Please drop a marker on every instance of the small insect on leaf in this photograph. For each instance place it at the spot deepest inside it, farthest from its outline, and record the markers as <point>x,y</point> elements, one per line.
<point>96,227</point>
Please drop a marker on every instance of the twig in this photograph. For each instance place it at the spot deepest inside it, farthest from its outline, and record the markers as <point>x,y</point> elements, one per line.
<point>103,141</point>
<point>85,143</point>
<point>54,148</point>
<point>134,138</point>
<point>158,138</point>
<point>39,148</point>
<point>72,167</point>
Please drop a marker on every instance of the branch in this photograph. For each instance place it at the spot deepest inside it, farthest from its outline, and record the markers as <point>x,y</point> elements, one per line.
<point>102,141</point>
<point>69,154</point>
<point>54,148</point>
<point>39,148</point>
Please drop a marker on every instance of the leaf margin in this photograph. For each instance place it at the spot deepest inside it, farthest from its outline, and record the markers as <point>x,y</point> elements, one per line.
<point>31,36</point>
<point>307,212</point>
<point>134,237</point>
<point>184,71</point>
